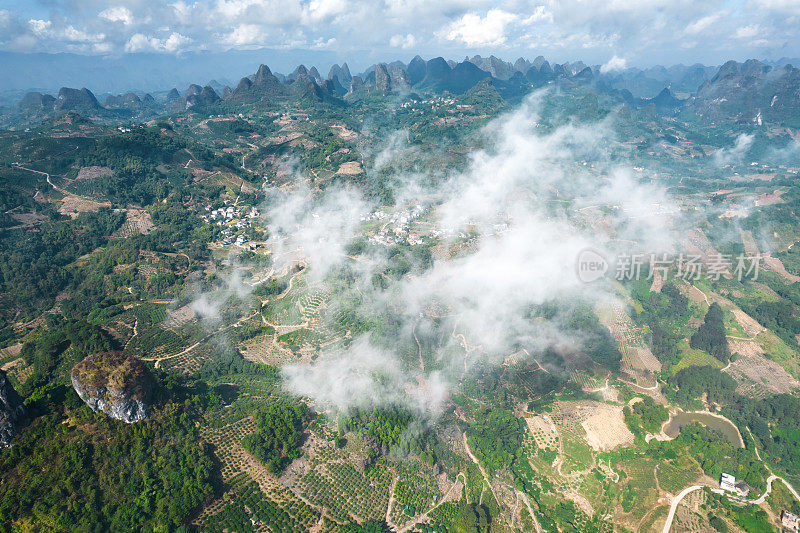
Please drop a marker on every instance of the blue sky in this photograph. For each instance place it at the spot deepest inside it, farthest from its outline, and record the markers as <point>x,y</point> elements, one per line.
<point>640,32</point>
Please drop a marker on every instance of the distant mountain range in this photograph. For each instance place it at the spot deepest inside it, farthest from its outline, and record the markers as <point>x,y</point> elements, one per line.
<point>752,91</point>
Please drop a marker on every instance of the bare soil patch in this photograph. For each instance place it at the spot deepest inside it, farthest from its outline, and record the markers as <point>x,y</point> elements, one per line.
<point>757,375</point>
<point>89,173</point>
<point>606,429</point>
<point>776,265</point>
<point>72,206</point>
<point>350,168</point>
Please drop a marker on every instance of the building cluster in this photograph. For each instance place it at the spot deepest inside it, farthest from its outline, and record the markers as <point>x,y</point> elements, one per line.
<point>235,220</point>
<point>728,483</point>
<point>397,227</point>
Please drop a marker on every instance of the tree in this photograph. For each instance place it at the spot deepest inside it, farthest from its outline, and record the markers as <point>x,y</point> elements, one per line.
<point>279,434</point>
<point>710,336</point>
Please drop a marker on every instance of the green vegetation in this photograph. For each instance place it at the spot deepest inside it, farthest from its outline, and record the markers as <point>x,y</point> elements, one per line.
<point>695,381</point>
<point>711,334</point>
<point>148,475</point>
<point>646,415</point>
<point>279,434</point>
<point>495,437</point>
<point>716,455</point>
<point>775,423</point>
<point>383,426</point>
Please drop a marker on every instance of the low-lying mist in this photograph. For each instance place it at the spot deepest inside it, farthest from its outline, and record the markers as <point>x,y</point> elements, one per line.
<point>494,241</point>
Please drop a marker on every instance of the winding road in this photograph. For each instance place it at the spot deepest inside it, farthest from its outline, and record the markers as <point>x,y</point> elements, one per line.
<point>770,479</point>
<point>758,501</point>
<point>674,506</point>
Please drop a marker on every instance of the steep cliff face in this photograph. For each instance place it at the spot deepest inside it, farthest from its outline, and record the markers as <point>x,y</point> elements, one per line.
<point>115,383</point>
<point>12,413</point>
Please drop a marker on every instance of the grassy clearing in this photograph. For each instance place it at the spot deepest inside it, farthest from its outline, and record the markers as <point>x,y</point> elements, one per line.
<point>677,474</point>
<point>577,454</point>
<point>692,357</point>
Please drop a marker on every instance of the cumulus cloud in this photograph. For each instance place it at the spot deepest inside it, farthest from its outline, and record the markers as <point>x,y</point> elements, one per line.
<point>585,30</point>
<point>614,64</point>
<point>117,14</point>
<point>474,30</point>
<point>323,10</point>
<point>748,32</point>
<point>46,29</point>
<point>789,7</point>
<point>402,41</point>
<point>245,34</point>
<point>144,43</point>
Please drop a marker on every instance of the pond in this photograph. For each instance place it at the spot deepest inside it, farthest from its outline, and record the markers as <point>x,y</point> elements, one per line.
<point>717,422</point>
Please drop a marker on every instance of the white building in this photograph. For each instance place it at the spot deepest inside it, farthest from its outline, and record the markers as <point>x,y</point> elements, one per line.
<point>727,482</point>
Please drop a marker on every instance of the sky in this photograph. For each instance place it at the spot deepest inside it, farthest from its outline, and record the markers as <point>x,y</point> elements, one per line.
<point>631,32</point>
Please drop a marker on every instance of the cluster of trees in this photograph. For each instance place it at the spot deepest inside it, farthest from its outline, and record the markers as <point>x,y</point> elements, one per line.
<point>133,158</point>
<point>778,316</point>
<point>716,454</point>
<point>646,415</point>
<point>33,269</point>
<point>600,344</point>
<point>775,422</point>
<point>710,336</point>
<point>136,160</point>
<point>227,360</point>
<point>662,312</point>
<point>54,351</point>
<point>279,433</point>
<point>383,425</point>
<point>495,436</point>
<point>694,381</point>
<point>101,474</point>
<point>330,152</point>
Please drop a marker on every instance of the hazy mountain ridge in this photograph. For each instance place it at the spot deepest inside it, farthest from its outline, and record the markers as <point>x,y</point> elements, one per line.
<point>751,91</point>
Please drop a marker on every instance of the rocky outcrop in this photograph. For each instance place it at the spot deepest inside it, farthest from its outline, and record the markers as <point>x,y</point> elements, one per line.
<point>12,412</point>
<point>125,101</point>
<point>356,84</point>
<point>262,86</point>
<point>417,70</point>
<point>751,92</point>
<point>79,100</point>
<point>341,73</point>
<point>37,101</point>
<point>116,384</point>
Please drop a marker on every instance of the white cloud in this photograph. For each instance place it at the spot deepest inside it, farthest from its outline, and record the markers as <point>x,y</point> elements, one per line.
<point>735,154</point>
<point>523,255</point>
<point>40,27</point>
<point>402,41</point>
<point>233,9</point>
<point>117,14</point>
<point>472,30</point>
<point>791,7</point>
<point>704,23</point>
<point>144,43</point>
<point>44,29</point>
<point>647,31</point>
<point>321,10</point>
<point>540,14</point>
<point>245,34</point>
<point>748,32</point>
<point>615,63</point>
